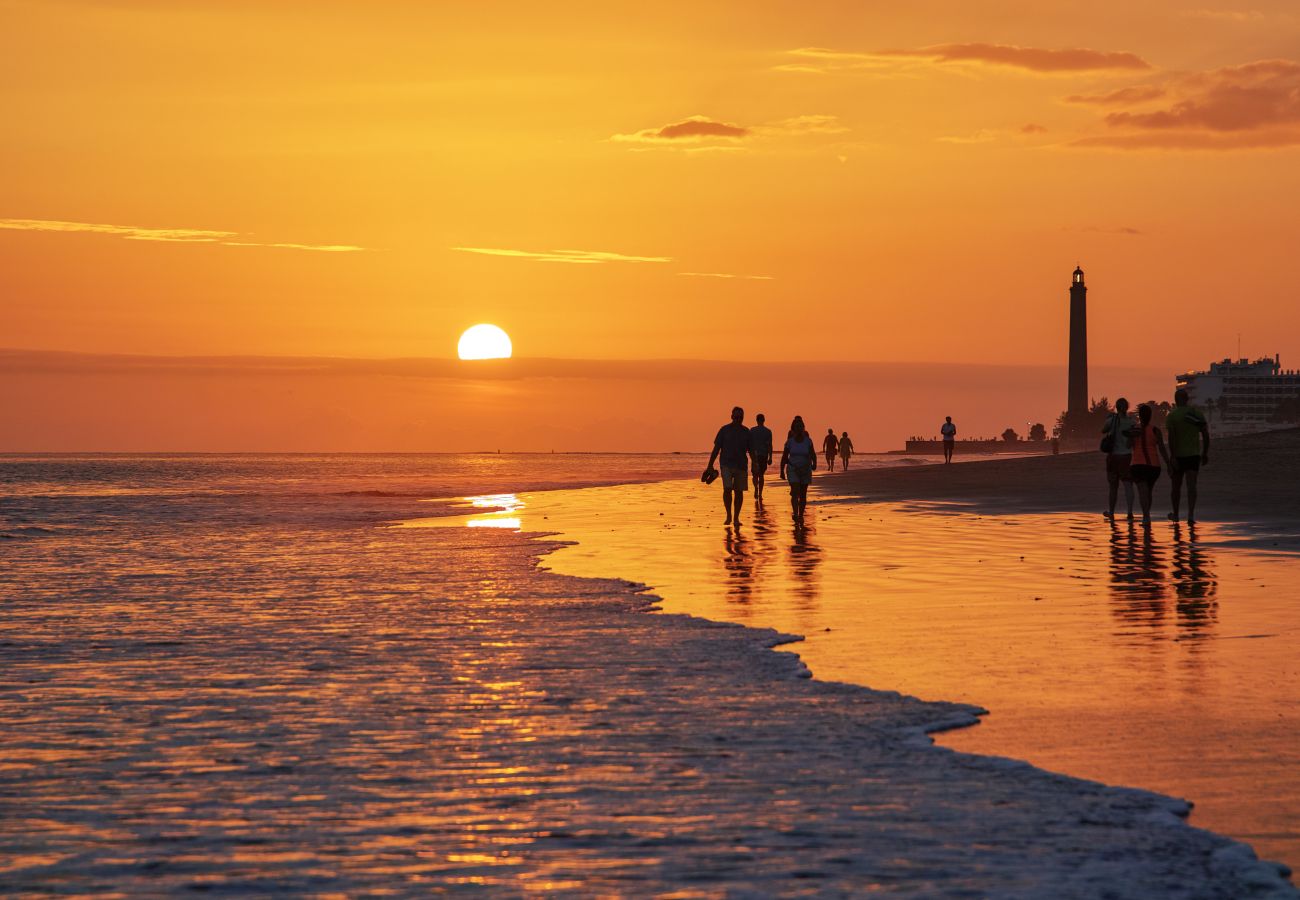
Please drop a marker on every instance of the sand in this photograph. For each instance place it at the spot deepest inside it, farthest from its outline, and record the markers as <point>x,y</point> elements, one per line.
<point>1253,478</point>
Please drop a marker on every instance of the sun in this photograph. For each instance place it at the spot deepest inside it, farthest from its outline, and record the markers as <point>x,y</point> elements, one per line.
<point>484,342</point>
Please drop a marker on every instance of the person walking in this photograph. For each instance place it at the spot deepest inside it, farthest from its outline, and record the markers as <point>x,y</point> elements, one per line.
<point>760,456</point>
<point>846,450</point>
<point>829,446</point>
<point>949,432</point>
<point>1148,449</point>
<point>798,461</point>
<point>1119,456</point>
<point>1189,445</point>
<point>732,445</point>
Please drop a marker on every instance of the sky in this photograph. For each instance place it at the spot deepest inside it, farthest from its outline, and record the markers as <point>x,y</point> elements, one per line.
<point>753,182</point>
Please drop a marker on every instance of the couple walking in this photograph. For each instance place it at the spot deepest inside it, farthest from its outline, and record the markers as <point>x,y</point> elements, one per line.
<point>832,445</point>
<point>1134,450</point>
<point>738,449</point>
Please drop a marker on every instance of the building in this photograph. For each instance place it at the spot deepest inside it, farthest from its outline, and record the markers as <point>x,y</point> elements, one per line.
<point>1076,406</point>
<point>1240,395</point>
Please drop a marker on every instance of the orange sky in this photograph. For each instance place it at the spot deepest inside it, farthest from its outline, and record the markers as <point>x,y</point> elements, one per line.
<point>913,182</point>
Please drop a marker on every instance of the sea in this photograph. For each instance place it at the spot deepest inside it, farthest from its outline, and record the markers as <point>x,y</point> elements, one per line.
<point>1162,661</point>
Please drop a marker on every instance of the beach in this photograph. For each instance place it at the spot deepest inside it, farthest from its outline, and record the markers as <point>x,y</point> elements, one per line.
<point>268,688</point>
<point>1253,479</point>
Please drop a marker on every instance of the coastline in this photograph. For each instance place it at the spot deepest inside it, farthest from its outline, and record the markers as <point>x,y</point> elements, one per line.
<point>1033,791</point>
<point>298,700</point>
<point>1250,479</point>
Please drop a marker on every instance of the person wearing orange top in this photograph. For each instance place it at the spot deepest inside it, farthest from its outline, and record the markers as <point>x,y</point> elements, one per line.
<point>1148,449</point>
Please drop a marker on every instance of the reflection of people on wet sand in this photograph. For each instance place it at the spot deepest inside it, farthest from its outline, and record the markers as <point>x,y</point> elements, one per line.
<point>1137,577</point>
<point>798,460</point>
<point>760,456</point>
<point>1194,582</point>
<point>829,446</point>
<point>1146,461</point>
<point>949,432</point>
<point>1189,444</point>
<point>846,450</point>
<point>732,445</point>
<point>1119,457</point>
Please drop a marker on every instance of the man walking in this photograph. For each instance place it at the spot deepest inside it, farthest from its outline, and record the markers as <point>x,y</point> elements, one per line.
<point>1189,445</point>
<point>760,456</point>
<point>949,432</point>
<point>830,444</point>
<point>732,445</point>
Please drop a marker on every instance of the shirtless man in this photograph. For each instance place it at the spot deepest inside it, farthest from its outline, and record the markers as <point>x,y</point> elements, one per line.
<point>732,444</point>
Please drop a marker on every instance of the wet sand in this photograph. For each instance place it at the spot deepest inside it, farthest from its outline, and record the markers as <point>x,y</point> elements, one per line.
<point>1163,661</point>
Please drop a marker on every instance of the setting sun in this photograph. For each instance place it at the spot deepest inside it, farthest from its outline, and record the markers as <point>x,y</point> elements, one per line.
<point>484,342</point>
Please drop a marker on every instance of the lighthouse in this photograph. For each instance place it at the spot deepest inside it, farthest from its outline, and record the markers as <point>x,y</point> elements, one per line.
<point>1076,406</point>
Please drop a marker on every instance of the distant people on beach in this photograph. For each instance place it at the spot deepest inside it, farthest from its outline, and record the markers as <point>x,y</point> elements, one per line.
<point>731,451</point>
<point>1119,456</point>
<point>798,461</point>
<point>846,450</point>
<point>1189,445</point>
<point>1148,447</point>
<point>830,444</point>
<point>949,432</point>
<point>760,456</point>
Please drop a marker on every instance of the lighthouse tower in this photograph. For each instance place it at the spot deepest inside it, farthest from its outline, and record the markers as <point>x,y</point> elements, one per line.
<point>1076,407</point>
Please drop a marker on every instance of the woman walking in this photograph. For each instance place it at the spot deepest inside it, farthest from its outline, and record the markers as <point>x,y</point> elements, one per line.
<point>846,450</point>
<point>798,460</point>
<point>1146,460</point>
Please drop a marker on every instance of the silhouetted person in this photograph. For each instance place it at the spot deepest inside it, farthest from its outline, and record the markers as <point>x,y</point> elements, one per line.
<point>1148,449</point>
<point>1189,445</point>
<point>1119,456</point>
<point>846,450</point>
<point>949,432</point>
<point>760,456</point>
<point>798,460</point>
<point>732,445</point>
<point>829,446</point>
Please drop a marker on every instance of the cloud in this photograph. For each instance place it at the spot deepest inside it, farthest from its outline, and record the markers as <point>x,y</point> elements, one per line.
<point>1033,128</point>
<point>1224,15</point>
<point>1139,93</point>
<point>1110,229</point>
<point>1255,105</point>
<point>170,235</point>
<point>726,275</point>
<point>1028,59</point>
<point>586,257</point>
<point>983,136</point>
<point>690,129</point>
<point>814,124</point>
<point>699,134</point>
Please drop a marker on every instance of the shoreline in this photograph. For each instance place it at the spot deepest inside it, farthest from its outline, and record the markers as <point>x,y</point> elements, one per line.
<point>1250,479</point>
<point>955,715</point>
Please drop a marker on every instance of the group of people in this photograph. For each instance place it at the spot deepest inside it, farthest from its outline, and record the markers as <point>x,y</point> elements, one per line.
<point>1135,448</point>
<point>740,451</point>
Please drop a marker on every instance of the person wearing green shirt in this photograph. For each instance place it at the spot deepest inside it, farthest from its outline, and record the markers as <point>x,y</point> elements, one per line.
<point>1189,445</point>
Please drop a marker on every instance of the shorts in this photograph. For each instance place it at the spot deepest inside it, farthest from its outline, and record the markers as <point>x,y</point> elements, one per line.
<point>1189,463</point>
<point>798,474</point>
<point>1119,466</point>
<point>1147,475</point>
<point>734,478</point>
<point>758,465</point>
